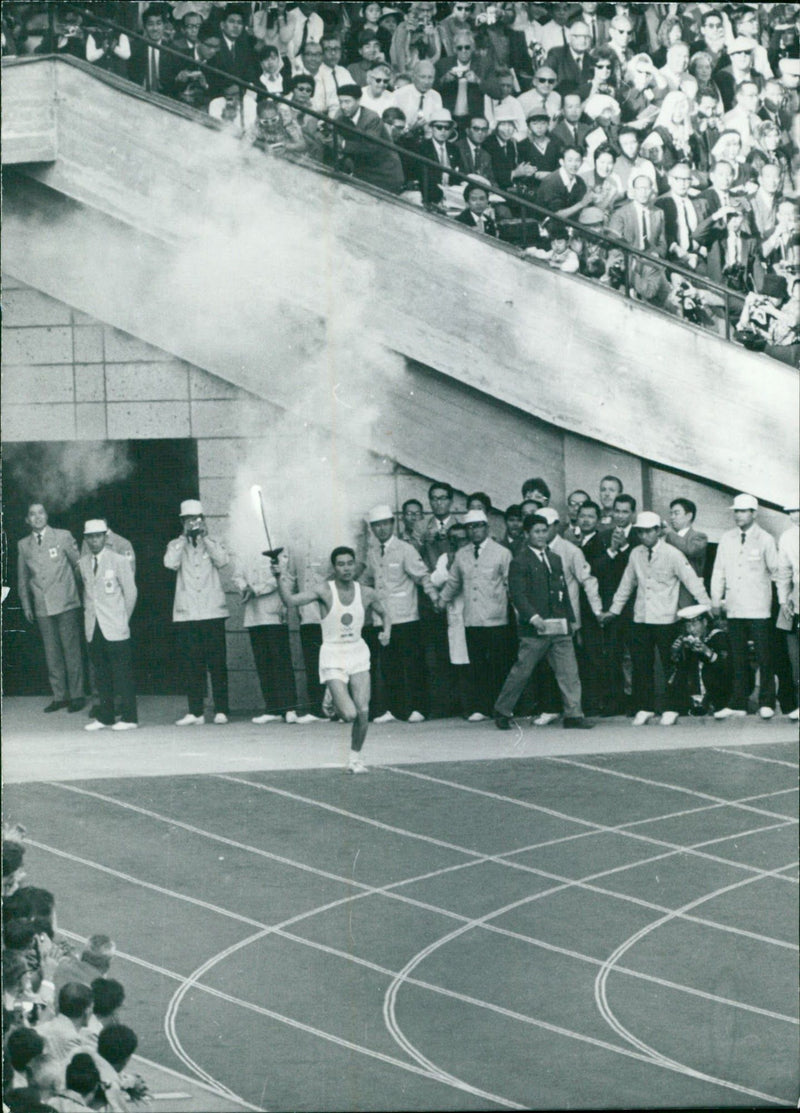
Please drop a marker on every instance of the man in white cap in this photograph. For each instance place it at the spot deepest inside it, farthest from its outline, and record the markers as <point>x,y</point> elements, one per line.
<point>655,571</point>
<point>344,655</point>
<point>479,572</point>
<point>699,678</point>
<point>199,613</point>
<point>439,148</point>
<point>741,584</point>
<point>109,596</point>
<point>788,582</point>
<point>545,622</point>
<point>395,568</point>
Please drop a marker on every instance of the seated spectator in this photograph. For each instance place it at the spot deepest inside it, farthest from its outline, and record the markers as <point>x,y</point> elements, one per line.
<point>94,961</point>
<point>675,128</point>
<point>603,186</point>
<point>301,93</point>
<point>477,214</point>
<point>682,219</point>
<point>13,872</point>
<point>542,96</point>
<point>23,1047</point>
<point>606,75</point>
<point>591,249</point>
<point>764,201</point>
<point>472,156</point>
<point>570,130</point>
<point>65,1033</point>
<point>416,38</point>
<point>375,91</point>
<point>108,997</point>
<point>276,129</point>
<point>769,320</point>
<point>368,161</point>
<point>560,254</point>
<point>705,133</point>
<point>459,84</point>
<point>369,54</point>
<point>768,149</point>
<point>631,162</point>
<point>728,148</point>
<point>781,250</point>
<point>330,76</point>
<point>503,101</point>
<point>572,62</point>
<point>68,36</point>
<point>542,151</point>
<point>738,73</point>
<point>271,77</point>
<point>186,81</point>
<point>115,1046</point>
<point>146,60</point>
<point>235,111</point>
<point>743,117</point>
<point>507,155</point>
<point>563,192</point>
<point>676,66</point>
<point>110,49</point>
<point>640,225</point>
<point>368,20</point>
<point>642,92</point>
<point>701,68</point>
<point>458,21</point>
<point>82,1090</point>
<point>419,100</point>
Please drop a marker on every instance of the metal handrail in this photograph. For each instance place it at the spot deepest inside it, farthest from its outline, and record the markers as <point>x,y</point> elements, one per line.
<point>537,212</point>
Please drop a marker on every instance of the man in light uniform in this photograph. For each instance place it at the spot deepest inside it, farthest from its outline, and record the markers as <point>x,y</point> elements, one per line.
<point>741,585</point>
<point>48,560</point>
<point>655,571</point>
<point>344,655</point>
<point>199,612</point>
<point>109,596</point>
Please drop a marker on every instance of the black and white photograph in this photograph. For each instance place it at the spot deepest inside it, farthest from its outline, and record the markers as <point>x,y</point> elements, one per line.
<point>400,556</point>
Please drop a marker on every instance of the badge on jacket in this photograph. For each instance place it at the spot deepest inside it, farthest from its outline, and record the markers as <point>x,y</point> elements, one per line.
<point>53,553</point>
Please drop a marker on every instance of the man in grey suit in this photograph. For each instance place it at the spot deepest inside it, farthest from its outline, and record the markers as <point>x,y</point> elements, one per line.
<point>48,559</point>
<point>640,225</point>
<point>691,542</point>
<point>109,594</point>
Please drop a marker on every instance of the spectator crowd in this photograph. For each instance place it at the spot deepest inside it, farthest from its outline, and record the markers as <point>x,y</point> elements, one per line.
<point>667,128</point>
<point>65,1046</point>
<point>602,610</point>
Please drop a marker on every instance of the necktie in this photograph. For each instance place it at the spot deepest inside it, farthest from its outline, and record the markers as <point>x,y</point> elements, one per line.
<point>39,539</point>
<point>744,537</point>
<point>593,29</point>
<point>304,38</point>
<point>383,547</point>
<point>477,549</point>
<point>152,69</point>
<point>545,562</point>
<point>421,103</point>
<point>94,565</point>
<point>645,231</point>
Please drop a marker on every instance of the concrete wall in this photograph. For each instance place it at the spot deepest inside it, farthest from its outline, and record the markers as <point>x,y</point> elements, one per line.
<point>553,346</point>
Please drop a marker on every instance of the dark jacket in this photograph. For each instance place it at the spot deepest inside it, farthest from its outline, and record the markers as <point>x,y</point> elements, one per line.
<point>534,591</point>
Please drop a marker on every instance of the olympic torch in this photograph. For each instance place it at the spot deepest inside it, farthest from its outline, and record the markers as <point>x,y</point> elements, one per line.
<point>258,500</point>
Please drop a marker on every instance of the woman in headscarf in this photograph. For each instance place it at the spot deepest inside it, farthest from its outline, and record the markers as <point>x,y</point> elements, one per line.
<point>674,125</point>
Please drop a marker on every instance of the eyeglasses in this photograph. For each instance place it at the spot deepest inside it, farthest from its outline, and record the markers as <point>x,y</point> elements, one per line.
<point>461,49</point>
<point>380,81</point>
<point>479,127</point>
<point>440,127</point>
<point>602,65</point>
<point>546,80</point>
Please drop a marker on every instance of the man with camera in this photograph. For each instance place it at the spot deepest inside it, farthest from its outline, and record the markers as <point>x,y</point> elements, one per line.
<point>199,612</point>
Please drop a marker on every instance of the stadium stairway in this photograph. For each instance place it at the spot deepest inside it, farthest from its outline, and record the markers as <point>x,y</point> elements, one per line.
<point>280,278</point>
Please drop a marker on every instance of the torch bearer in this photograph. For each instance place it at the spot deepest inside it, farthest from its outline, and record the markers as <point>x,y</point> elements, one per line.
<point>258,499</point>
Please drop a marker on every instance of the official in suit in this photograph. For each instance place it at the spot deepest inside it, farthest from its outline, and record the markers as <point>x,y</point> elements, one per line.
<point>640,225</point>
<point>236,54</point>
<point>475,215</point>
<point>109,596</point>
<point>572,63</point>
<point>681,218</point>
<point>48,560</point>
<point>368,161</point>
<point>146,61</point>
<point>442,149</point>
<point>539,594</point>
<point>480,573</point>
<point>472,158</point>
<point>690,541</point>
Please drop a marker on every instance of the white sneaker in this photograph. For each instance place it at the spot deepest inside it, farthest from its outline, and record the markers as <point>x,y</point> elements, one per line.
<point>642,717</point>
<point>122,725</point>
<point>220,718</point>
<point>545,718</point>
<point>795,714</point>
<point>477,717</point>
<point>386,717</point>
<point>305,719</point>
<point>95,725</point>
<point>416,717</point>
<point>668,718</point>
<point>766,712</point>
<point>261,719</point>
<point>729,713</point>
<point>356,765</point>
<point>290,717</point>
<point>190,720</point>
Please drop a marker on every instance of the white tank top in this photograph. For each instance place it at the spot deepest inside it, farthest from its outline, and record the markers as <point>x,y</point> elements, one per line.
<point>342,624</point>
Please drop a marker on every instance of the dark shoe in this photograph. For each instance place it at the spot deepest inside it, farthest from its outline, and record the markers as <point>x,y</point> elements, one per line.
<point>502,722</point>
<point>76,705</point>
<point>56,705</point>
<point>577,724</point>
<point>94,711</point>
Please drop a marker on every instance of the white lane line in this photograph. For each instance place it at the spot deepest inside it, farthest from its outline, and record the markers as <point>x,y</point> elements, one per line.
<point>755,757</point>
<point>664,784</point>
<point>601,994</point>
<point>625,897</point>
<point>600,827</point>
<point>350,957</point>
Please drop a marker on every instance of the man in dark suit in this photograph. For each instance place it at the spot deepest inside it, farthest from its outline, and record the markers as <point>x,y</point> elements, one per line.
<point>540,597</point>
<point>236,55</point>
<point>146,60</point>
<point>439,148</point>
<point>458,83</point>
<point>640,225</point>
<point>563,192</point>
<point>472,157</point>
<point>573,65</point>
<point>475,215</point>
<point>569,131</point>
<point>681,217</point>
<point>369,161</point>
<point>691,542</point>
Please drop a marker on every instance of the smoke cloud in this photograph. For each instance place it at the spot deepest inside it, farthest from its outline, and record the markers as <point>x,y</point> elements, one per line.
<point>59,474</point>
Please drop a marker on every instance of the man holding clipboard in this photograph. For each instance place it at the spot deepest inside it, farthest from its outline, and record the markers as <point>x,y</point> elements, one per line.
<point>545,622</point>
